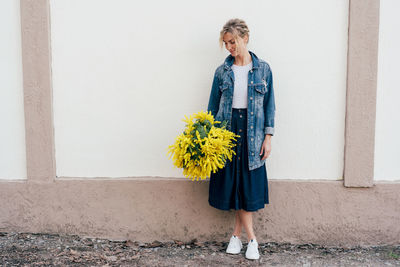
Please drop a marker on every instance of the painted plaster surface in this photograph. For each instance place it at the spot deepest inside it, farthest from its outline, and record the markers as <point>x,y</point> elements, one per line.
<point>12,134</point>
<point>121,90</point>
<point>361,92</point>
<point>163,209</point>
<point>387,144</point>
<point>150,208</point>
<point>35,26</point>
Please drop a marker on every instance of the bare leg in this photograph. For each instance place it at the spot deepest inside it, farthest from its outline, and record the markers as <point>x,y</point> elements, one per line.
<point>238,225</point>
<point>246,218</point>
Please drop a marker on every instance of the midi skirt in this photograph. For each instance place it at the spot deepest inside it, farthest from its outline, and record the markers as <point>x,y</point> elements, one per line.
<point>235,186</point>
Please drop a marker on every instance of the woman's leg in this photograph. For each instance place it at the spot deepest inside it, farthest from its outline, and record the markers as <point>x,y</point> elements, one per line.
<point>237,231</point>
<point>246,218</point>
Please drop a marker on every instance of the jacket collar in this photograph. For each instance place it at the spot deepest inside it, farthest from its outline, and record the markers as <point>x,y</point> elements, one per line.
<point>230,59</point>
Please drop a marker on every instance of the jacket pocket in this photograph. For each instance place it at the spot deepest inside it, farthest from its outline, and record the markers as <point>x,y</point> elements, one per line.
<point>260,88</point>
<point>223,101</point>
<point>265,83</point>
<point>259,94</point>
<point>223,87</point>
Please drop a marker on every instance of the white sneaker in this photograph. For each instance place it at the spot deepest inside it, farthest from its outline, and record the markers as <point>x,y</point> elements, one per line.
<point>252,250</point>
<point>234,246</point>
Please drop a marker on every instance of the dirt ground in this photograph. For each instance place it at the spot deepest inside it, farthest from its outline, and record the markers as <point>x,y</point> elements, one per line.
<point>29,249</point>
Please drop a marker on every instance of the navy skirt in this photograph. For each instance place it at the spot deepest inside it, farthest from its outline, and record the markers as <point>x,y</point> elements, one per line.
<point>235,186</point>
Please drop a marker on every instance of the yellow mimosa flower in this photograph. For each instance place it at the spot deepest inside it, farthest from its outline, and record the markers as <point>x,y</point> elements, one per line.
<point>203,147</point>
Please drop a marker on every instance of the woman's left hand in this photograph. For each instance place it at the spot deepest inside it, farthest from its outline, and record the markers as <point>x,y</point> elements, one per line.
<point>266,147</point>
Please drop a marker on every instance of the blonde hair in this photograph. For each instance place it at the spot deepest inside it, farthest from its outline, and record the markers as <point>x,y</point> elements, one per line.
<point>237,27</point>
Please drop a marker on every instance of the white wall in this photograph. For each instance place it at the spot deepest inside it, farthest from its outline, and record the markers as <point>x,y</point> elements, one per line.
<point>12,134</point>
<point>126,72</point>
<point>387,142</point>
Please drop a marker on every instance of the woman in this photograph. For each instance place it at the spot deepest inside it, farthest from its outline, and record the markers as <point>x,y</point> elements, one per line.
<point>242,93</point>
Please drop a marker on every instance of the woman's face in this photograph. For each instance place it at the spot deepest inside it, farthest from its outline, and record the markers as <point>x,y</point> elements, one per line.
<point>235,48</point>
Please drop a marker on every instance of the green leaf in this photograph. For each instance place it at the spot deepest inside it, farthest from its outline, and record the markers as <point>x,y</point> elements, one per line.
<point>202,132</point>
<point>222,124</point>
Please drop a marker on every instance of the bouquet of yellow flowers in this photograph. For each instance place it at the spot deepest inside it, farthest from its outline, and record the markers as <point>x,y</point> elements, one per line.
<point>204,146</point>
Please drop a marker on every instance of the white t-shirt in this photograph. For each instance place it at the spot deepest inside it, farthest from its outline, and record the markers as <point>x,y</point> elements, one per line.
<point>240,86</point>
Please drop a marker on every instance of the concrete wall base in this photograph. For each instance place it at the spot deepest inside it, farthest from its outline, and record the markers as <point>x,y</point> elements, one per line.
<point>148,209</point>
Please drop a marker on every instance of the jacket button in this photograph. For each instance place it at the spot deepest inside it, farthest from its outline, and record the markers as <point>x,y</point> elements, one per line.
<point>251,98</point>
<point>252,139</point>
<point>251,71</point>
<point>251,82</point>
<point>251,126</point>
<point>251,113</point>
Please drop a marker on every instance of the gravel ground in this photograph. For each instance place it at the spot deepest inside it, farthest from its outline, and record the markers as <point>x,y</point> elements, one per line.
<point>29,249</point>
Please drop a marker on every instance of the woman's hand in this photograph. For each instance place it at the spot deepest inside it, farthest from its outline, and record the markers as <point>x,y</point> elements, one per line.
<point>266,147</point>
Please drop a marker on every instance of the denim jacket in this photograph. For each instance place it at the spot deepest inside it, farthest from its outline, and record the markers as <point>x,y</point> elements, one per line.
<point>260,99</point>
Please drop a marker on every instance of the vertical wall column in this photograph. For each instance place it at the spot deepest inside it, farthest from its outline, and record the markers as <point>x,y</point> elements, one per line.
<point>36,61</point>
<point>362,65</point>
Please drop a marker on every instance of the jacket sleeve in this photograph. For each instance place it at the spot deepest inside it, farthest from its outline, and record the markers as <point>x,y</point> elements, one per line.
<point>269,106</point>
<point>215,95</point>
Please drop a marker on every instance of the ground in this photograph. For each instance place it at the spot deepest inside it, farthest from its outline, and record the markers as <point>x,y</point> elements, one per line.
<point>23,249</point>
